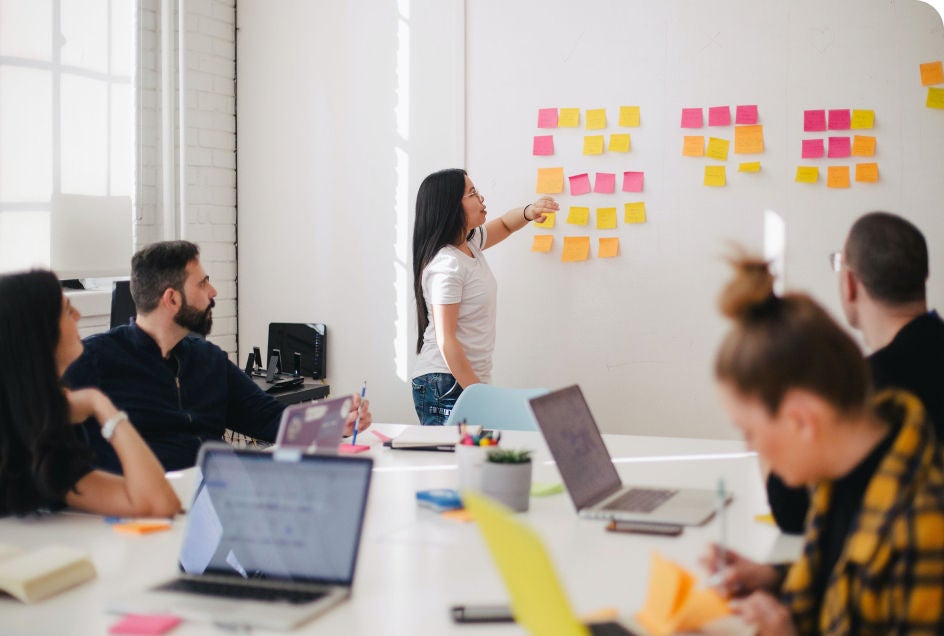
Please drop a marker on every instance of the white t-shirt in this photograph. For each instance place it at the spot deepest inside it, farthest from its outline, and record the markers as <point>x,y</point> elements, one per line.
<point>454,277</point>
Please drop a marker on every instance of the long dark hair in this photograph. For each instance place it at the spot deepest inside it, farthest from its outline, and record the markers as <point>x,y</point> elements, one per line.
<point>39,451</point>
<point>440,221</point>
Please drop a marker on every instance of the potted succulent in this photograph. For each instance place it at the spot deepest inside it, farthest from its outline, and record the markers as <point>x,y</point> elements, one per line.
<point>506,476</point>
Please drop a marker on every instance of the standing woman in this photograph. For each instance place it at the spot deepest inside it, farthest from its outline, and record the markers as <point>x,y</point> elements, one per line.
<point>44,463</point>
<point>455,289</point>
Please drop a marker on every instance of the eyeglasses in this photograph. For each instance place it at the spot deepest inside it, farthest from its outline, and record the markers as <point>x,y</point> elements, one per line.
<point>835,261</point>
<point>474,194</point>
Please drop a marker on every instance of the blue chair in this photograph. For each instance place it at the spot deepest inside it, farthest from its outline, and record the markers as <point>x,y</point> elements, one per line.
<point>495,407</point>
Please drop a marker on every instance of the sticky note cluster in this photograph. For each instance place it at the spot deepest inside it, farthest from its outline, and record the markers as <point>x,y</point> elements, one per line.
<point>933,73</point>
<point>748,139</point>
<point>838,145</point>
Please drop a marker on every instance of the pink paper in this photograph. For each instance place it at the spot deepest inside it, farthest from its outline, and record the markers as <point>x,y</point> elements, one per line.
<point>746,114</point>
<point>814,120</point>
<point>350,449</point>
<point>719,116</point>
<point>813,148</point>
<point>544,144</point>
<point>840,119</point>
<point>579,184</point>
<point>144,624</point>
<point>692,118</point>
<point>381,436</point>
<point>632,181</point>
<point>605,182</point>
<point>839,147</point>
<point>547,118</point>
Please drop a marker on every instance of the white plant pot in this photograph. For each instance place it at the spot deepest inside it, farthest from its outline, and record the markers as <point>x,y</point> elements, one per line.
<point>508,483</point>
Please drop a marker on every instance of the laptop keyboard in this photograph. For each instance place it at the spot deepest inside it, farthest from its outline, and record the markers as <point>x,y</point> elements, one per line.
<point>609,629</point>
<point>640,500</point>
<point>244,592</point>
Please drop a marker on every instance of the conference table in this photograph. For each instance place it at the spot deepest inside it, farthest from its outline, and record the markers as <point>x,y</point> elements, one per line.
<point>413,563</point>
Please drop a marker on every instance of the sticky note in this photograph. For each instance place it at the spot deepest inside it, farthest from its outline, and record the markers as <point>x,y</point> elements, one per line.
<point>766,518</point>
<point>141,527</point>
<point>606,218</point>
<point>629,116</point>
<point>692,118</point>
<point>673,604</point>
<point>839,147</point>
<point>579,184</point>
<point>578,215</point>
<point>608,247</point>
<point>596,118</point>
<point>548,221</point>
<point>542,489</point>
<point>837,177</point>
<point>935,98</point>
<point>149,624</point>
<point>568,118</point>
<point>460,515</point>
<point>381,436</point>
<point>543,145</point>
<point>352,449</point>
<point>605,182</point>
<point>715,176</point>
<point>547,118</point>
<point>866,172</point>
<point>693,146</point>
<point>746,114</point>
<point>748,140</point>
<point>840,119</point>
<point>813,148</point>
<point>863,146</point>
<point>593,145</point>
<point>576,248</point>
<point>814,120</point>
<point>750,166</point>
<point>542,243</point>
<point>634,212</point>
<point>550,180</point>
<point>717,149</point>
<point>719,116</point>
<point>632,181</point>
<point>619,143</point>
<point>807,174</point>
<point>862,119</point>
<point>932,73</point>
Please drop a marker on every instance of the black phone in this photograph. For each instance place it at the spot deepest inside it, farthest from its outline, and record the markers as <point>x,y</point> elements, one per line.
<point>645,527</point>
<point>482,614</point>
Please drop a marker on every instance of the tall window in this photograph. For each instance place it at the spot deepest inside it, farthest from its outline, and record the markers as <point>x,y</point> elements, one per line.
<point>66,133</point>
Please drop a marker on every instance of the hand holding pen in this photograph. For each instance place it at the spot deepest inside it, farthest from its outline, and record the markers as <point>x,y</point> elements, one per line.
<point>361,406</point>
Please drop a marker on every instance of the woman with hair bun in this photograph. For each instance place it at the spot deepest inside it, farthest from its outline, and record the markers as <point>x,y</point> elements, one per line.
<point>798,388</point>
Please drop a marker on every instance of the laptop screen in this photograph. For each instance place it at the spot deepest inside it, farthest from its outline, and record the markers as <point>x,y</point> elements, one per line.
<point>576,444</point>
<point>258,515</point>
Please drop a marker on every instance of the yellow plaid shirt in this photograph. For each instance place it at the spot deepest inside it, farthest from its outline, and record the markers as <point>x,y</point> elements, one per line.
<point>889,578</point>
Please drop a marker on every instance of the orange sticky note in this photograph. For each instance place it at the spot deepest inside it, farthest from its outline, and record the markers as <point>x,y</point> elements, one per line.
<point>576,248</point>
<point>837,177</point>
<point>935,98</point>
<point>568,118</point>
<point>634,212</point>
<point>619,143</point>
<point>693,146</point>
<point>548,221</point>
<point>863,146</point>
<point>932,73</point>
<point>807,174</point>
<point>550,180</point>
<point>596,119</point>
<point>715,176</point>
<point>578,215</point>
<point>866,172</point>
<point>750,166</point>
<point>460,515</point>
<point>748,140</point>
<point>141,527</point>
<point>717,148</point>
<point>608,248</point>
<point>629,116</point>
<point>542,243</point>
<point>606,218</point>
<point>862,119</point>
<point>672,602</point>
<point>593,145</point>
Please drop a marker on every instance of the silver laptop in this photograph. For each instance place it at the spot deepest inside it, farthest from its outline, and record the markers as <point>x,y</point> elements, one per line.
<point>271,539</point>
<point>591,479</point>
<point>314,426</point>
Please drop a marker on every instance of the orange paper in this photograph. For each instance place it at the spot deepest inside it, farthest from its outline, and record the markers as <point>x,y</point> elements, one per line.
<point>576,248</point>
<point>608,247</point>
<point>141,527</point>
<point>837,177</point>
<point>863,146</point>
<point>673,604</point>
<point>542,243</point>
<point>932,73</point>
<point>866,172</point>
<point>693,146</point>
<point>748,140</point>
<point>550,180</point>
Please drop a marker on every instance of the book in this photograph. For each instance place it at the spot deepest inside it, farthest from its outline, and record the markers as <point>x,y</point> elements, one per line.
<point>441,438</point>
<point>32,575</point>
<point>439,499</point>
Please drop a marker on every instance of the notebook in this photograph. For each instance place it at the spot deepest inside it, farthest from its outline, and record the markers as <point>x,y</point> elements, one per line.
<point>314,426</point>
<point>538,600</point>
<point>271,539</point>
<point>591,479</point>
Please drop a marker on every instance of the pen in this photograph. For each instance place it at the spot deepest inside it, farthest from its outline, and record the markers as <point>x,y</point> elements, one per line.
<point>722,497</point>
<point>358,418</point>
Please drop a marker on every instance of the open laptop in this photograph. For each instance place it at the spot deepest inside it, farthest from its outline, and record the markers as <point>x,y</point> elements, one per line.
<point>271,539</point>
<point>591,479</point>
<point>314,426</point>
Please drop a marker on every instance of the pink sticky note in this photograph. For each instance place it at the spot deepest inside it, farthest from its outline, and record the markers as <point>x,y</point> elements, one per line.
<point>839,147</point>
<point>144,624</point>
<point>632,181</point>
<point>692,118</point>
<point>840,119</point>
<point>814,120</point>
<point>381,436</point>
<point>746,114</point>
<point>544,144</point>
<point>579,184</point>
<point>547,118</point>
<point>719,116</point>
<point>605,182</point>
<point>813,148</point>
<point>350,449</point>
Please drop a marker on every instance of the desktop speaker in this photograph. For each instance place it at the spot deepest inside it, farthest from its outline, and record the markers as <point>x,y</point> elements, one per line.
<point>304,338</point>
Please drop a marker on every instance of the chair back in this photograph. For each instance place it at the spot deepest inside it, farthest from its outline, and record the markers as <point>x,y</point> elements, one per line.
<point>495,407</point>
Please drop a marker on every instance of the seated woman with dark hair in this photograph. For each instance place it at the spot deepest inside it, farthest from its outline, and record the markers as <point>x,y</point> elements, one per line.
<point>44,463</point>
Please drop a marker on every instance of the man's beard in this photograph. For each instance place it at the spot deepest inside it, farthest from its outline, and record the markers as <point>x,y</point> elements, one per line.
<point>189,317</point>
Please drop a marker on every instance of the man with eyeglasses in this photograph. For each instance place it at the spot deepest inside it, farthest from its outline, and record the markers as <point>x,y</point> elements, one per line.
<point>883,270</point>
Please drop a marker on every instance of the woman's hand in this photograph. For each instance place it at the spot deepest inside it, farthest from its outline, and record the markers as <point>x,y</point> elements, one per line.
<point>736,575</point>
<point>360,409</point>
<point>766,613</point>
<point>86,403</point>
<point>540,208</point>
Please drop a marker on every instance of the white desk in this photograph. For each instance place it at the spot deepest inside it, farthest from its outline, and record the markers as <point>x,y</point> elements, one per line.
<point>414,565</point>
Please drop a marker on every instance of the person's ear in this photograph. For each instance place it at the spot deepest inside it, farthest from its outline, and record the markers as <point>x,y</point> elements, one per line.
<point>802,411</point>
<point>171,299</point>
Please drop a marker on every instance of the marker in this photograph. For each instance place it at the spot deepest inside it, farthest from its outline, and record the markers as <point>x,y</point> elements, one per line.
<point>358,418</point>
<point>723,533</point>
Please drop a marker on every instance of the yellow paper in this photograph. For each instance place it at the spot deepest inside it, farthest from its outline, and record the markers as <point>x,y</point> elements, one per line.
<point>862,119</point>
<point>807,174</point>
<point>550,180</point>
<point>542,243</point>
<point>576,248</point>
<point>629,116</point>
<point>863,146</point>
<point>935,98</point>
<point>548,221</point>
<point>932,73</point>
<point>619,143</point>
<point>606,218</point>
<point>578,215</point>
<point>568,118</point>
<point>596,119</point>
<point>593,145</point>
<point>748,140</point>
<point>717,149</point>
<point>672,602</point>
<point>693,146</point>
<point>715,176</point>
<point>608,248</point>
<point>766,518</point>
<point>867,172</point>
<point>750,166</point>
<point>837,177</point>
<point>634,212</point>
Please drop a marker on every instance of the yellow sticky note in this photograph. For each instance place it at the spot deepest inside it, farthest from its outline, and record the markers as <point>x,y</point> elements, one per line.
<point>568,118</point>
<point>578,215</point>
<point>693,146</point>
<point>576,248</point>
<point>550,180</point>
<point>807,174</point>
<point>862,119</point>
<point>715,176</point>
<point>606,218</point>
<point>542,243</point>
<point>837,177</point>
<point>935,98</point>
<point>866,172</point>
<point>717,148</point>
<point>596,118</point>
<point>608,248</point>
<point>593,145</point>
<point>932,73</point>
<point>765,518</point>
<point>619,143</point>
<point>748,140</point>
<point>749,166</point>
<point>548,221</point>
<point>634,212</point>
<point>629,116</point>
<point>863,146</point>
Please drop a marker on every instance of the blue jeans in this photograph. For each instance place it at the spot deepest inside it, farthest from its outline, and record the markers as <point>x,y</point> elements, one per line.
<point>434,395</point>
